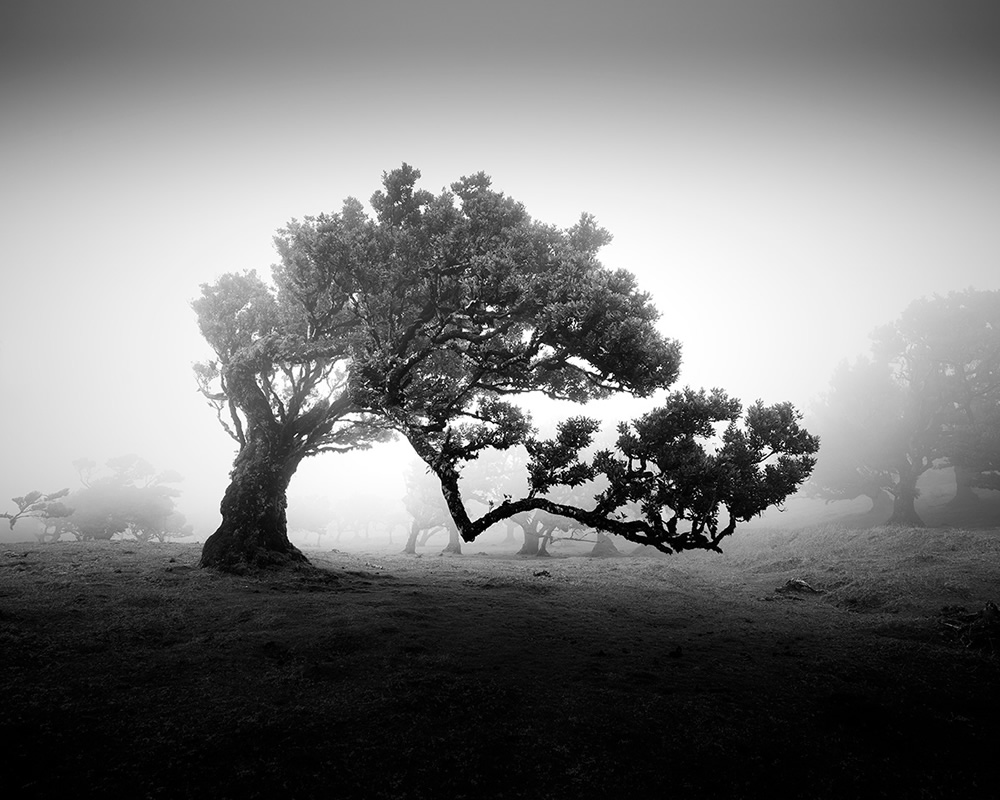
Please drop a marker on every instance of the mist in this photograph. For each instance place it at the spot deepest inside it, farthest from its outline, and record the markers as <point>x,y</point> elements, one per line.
<point>782,180</point>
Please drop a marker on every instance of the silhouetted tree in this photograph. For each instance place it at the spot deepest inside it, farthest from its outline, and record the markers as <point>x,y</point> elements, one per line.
<point>673,461</point>
<point>425,320</point>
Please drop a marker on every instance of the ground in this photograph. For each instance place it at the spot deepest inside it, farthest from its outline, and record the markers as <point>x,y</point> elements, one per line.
<point>128,672</point>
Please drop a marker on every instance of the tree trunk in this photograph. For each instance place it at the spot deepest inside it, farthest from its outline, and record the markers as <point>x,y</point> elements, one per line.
<point>882,504</point>
<point>454,542</point>
<point>905,494</point>
<point>427,534</point>
<point>254,533</point>
<point>530,546</point>
<point>964,497</point>
<point>411,540</point>
<point>543,543</point>
<point>509,524</point>
<point>604,547</point>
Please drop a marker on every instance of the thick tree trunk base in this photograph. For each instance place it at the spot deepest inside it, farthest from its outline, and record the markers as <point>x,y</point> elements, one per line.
<point>454,542</point>
<point>410,548</point>
<point>219,553</point>
<point>906,516</point>
<point>509,538</point>
<point>253,535</point>
<point>904,503</point>
<point>530,545</point>
<point>604,548</point>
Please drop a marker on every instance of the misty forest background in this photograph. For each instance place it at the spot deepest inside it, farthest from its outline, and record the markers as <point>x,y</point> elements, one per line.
<point>913,429</point>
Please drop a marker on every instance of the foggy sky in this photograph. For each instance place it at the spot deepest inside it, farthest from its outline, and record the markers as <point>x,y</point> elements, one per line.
<point>781,175</point>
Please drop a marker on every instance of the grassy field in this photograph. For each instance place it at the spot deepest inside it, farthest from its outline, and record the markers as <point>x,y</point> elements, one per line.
<point>128,672</point>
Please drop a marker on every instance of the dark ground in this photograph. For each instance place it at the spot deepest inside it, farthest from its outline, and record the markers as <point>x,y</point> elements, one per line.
<point>128,672</point>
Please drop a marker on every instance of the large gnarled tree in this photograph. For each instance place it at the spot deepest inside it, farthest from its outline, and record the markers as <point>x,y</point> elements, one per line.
<point>428,319</point>
<point>279,387</point>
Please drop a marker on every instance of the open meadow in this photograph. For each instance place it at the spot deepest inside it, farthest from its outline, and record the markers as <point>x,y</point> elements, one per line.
<point>128,672</point>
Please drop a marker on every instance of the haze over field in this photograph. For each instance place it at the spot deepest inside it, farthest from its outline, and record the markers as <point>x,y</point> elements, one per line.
<point>782,177</point>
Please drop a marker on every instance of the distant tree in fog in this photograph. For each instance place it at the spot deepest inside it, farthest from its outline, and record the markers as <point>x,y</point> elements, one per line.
<point>313,515</point>
<point>929,396</point>
<point>39,506</point>
<point>862,426</point>
<point>368,514</point>
<point>427,509</point>
<point>542,528</point>
<point>495,476</point>
<point>961,332</point>
<point>425,320</point>
<point>129,497</point>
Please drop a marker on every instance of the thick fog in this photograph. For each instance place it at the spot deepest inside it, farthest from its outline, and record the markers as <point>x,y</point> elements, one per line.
<point>781,177</point>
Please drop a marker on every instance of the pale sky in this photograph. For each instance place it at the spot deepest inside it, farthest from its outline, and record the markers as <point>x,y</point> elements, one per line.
<point>781,176</point>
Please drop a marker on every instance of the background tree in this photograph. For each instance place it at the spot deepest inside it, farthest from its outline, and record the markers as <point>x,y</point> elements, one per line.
<point>928,397</point>
<point>857,423</point>
<point>129,497</point>
<point>312,515</point>
<point>542,529</point>
<point>495,476</point>
<point>428,511</point>
<point>39,506</point>
<point>368,513</point>
<point>51,529</point>
<point>426,320</point>
<point>961,333</point>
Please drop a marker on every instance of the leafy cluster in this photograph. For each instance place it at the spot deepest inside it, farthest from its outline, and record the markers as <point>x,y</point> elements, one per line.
<point>681,464</point>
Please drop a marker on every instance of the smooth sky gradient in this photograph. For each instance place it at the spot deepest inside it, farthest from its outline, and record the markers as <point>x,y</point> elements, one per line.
<point>782,177</point>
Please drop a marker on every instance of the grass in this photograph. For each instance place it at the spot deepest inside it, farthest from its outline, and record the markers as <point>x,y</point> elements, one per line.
<point>129,672</point>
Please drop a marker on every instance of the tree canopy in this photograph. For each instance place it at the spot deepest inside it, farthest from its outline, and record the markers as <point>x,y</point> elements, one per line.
<point>928,396</point>
<point>428,319</point>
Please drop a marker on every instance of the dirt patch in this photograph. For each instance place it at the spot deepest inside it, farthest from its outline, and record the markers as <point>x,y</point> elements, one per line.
<point>129,672</point>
